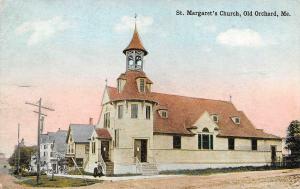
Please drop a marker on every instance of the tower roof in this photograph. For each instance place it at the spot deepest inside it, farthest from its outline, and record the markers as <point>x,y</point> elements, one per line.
<point>135,43</point>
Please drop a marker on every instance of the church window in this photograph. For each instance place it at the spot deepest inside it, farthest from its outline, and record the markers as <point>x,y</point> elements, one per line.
<point>142,85</point>
<point>254,144</point>
<point>148,112</point>
<point>138,62</point>
<point>205,140</point>
<point>107,120</point>
<point>130,62</point>
<point>231,143</point>
<point>120,111</point>
<point>134,111</point>
<point>177,142</point>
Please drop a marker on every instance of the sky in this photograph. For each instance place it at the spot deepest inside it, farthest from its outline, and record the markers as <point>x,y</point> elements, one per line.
<point>63,51</point>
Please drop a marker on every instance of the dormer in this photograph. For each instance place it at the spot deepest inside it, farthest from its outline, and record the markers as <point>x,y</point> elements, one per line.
<point>141,84</point>
<point>163,113</point>
<point>236,120</point>
<point>120,84</point>
<point>215,117</point>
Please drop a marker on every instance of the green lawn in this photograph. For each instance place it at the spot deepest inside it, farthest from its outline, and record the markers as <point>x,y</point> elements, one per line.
<point>46,181</point>
<point>210,171</point>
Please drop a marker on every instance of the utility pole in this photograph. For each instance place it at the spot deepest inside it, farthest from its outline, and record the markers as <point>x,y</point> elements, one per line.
<point>40,120</point>
<point>18,160</point>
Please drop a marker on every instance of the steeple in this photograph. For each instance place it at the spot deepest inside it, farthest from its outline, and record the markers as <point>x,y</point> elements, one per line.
<point>135,52</point>
<point>135,43</point>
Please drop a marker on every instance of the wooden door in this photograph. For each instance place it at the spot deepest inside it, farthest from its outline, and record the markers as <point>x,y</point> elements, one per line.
<point>105,150</point>
<point>143,150</point>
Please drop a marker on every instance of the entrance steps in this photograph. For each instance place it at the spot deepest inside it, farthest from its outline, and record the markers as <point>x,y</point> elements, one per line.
<point>149,169</point>
<point>109,168</point>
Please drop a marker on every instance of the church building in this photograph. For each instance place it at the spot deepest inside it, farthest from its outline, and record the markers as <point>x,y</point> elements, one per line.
<point>140,131</point>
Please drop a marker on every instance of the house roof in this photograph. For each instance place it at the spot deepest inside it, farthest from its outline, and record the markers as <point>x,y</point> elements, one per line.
<point>103,133</point>
<point>135,43</point>
<point>81,132</point>
<point>59,139</point>
<point>184,111</point>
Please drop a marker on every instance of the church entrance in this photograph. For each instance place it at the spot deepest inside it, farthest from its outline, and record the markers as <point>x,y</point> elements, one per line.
<point>105,150</point>
<point>140,149</point>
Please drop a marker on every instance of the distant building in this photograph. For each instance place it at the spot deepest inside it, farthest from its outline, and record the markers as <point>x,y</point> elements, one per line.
<point>78,143</point>
<point>2,156</point>
<point>52,149</point>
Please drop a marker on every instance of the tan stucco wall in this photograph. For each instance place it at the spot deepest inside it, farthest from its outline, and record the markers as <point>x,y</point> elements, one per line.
<point>129,129</point>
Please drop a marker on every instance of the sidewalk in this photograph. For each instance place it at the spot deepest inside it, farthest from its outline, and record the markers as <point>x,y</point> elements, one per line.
<point>120,178</point>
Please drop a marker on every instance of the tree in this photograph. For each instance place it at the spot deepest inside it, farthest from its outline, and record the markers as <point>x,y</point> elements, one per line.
<point>25,156</point>
<point>293,142</point>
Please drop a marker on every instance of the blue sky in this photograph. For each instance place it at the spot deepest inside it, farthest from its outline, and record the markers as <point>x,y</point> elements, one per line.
<point>65,50</point>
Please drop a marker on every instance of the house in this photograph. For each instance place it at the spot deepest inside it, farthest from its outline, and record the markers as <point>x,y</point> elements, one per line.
<point>52,149</point>
<point>78,143</point>
<point>141,131</point>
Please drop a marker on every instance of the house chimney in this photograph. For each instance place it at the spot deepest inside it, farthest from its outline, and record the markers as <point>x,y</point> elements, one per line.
<point>91,121</point>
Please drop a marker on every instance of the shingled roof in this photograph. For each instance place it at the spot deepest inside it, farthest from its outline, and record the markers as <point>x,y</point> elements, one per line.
<point>130,90</point>
<point>135,43</point>
<point>103,133</point>
<point>81,132</point>
<point>184,111</point>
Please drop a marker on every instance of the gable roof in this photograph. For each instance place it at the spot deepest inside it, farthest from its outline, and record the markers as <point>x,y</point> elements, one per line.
<point>81,132</point>
<point>184,111</point>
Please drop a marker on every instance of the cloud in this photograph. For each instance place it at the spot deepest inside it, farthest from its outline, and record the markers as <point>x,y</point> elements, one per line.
<point>42,29</point>
<point>127,24</point>
<point>240,38</point>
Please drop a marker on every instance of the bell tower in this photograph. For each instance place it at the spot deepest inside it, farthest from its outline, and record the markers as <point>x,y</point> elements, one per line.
<point>135,52</point>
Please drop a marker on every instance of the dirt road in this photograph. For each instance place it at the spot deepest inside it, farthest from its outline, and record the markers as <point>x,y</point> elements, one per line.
<point>254,180</point>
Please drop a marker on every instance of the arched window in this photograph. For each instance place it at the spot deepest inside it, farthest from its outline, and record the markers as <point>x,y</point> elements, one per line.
<point>138,62</point>
<point>205,140</point>
<point>130,62</point>
<point>205,130</point>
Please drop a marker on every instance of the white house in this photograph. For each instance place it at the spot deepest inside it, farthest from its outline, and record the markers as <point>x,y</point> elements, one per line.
<point>52,149</point>
<point>141,131</point>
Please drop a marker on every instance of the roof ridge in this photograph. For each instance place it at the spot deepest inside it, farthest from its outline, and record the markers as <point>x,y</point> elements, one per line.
<point>81,124</point>
<point>198,98</point>
<point>182,96</point>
